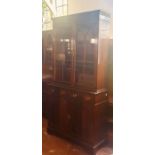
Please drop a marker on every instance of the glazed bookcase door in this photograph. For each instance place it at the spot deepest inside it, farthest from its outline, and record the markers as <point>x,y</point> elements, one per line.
<point>64,55</point>
<point>48,55</point>
<point>86,51</point>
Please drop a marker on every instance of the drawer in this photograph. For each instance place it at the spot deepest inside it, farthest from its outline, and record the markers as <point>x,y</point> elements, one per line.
<point>101,97</point>
<point>51,90</point>
<point>88,97</point>
<point>74,94</point>
<point>63,92</point>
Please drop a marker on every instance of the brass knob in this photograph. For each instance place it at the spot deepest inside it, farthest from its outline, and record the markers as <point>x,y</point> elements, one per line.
<point>87,98</point>
<point>68,116</point>
<point>74,95</point>
<point>62,92</point>
<point>53,90</point>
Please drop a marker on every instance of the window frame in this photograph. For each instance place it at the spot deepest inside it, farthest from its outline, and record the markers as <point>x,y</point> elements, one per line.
<point>63,13</point>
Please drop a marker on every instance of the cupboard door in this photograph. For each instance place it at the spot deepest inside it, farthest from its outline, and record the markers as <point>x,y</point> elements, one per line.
<point>87,117</point>
<point>70,113</point>
<point>44,105</point>
<point>53,107</point>
<point>64,112</point>
<point>75,112</point>
<point>46,100</point>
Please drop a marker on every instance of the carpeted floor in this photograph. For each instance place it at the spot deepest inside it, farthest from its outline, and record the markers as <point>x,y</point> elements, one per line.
<point>52,145</point>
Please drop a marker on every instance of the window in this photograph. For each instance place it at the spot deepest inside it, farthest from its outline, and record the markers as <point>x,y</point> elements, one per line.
<point>61,7</point>
<point>46,17</point>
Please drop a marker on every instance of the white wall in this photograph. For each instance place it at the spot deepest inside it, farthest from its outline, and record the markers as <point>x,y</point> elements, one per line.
<point>75,6</point>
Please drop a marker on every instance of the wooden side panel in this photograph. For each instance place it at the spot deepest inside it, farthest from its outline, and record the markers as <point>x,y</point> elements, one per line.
<point>98,120</point>
<point>102,63</point>
<point>110,71</point>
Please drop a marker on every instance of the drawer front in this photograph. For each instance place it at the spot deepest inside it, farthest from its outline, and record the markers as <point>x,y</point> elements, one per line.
<point>53,90</point>
<point>88,98</point>
<point>101,97</point>
<point>63,92</point>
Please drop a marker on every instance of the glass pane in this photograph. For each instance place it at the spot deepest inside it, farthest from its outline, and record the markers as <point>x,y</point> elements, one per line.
<point>65,9</point>
<point>64,56</point>
<point>64,1</point>
<point>48,62</point>
<point>59,11</point>
<point>51,1</point>
<point>85,57</point>
<point>59,2</point>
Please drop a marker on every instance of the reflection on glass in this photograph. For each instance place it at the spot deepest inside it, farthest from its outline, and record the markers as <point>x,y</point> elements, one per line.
<point>64,59</point>
<point>85,57</point>
<point>60,57</point>
<point>48,62</point>
<point>93,41</point>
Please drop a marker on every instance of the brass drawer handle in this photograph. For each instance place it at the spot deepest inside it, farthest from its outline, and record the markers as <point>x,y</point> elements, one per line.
<point>52,90</point>
<point>87,98</point>
<point>74,95</point>
<point>68,116</point>
<point>62,92</point>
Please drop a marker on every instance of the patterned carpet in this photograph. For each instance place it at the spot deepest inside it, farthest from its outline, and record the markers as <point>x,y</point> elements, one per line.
<point>52,145</point>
